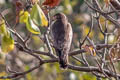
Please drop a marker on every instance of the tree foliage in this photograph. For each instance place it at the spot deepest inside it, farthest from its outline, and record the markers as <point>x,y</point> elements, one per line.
<point>25,37</point>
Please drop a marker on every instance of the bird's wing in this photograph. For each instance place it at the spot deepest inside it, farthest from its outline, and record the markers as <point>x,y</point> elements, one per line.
<point>58,34</point>
<point>68,37</point>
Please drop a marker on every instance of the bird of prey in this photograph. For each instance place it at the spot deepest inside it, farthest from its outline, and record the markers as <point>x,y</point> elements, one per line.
<point>61,31</point>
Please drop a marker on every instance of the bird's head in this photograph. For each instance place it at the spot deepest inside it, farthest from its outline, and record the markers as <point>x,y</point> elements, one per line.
<point>59,16</point>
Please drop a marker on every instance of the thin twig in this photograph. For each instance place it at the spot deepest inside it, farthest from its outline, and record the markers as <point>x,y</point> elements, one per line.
<point>91,27</point>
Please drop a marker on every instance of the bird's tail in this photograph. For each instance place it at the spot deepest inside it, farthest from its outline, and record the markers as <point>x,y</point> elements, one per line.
<point>63,59</point>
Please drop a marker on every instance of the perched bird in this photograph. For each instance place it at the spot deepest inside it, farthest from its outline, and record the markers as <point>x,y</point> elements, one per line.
<point>62,33</point>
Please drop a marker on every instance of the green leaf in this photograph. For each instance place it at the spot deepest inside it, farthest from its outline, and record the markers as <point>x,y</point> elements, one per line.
<point>23,16</point>
<point>2,27</point>
<point>35,15</point>
<point>38,16</point>
<point>32,27</point>
<point>7,43</point>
